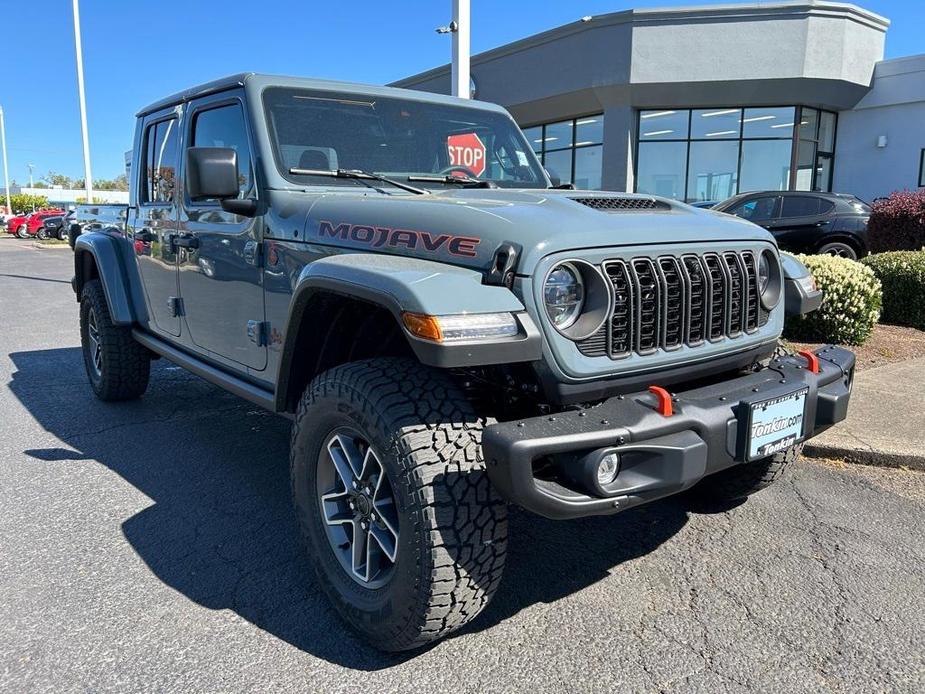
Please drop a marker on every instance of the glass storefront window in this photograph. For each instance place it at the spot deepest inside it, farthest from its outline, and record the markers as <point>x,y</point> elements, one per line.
<point>558,135</point>
<point>712,171</point>
<point>715,123</point>
<point>588,167</point>
<point>809,122</point>
<point>589,131</point>
<point>559,165</point>
<point>768,122</point>
<point>661,169</point>
<point>663,125</point>
<point>729,150</point>
<point>577,159</point>
<point>827,132</point>
<point>765,165</point>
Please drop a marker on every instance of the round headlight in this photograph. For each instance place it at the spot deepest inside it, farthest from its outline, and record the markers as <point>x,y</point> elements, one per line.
<point>563,294</point>
<point>770,285</point>
<point>764,272</point>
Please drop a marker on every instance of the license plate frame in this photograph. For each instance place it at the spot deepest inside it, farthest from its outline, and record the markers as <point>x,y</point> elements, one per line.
<point>780,423</point>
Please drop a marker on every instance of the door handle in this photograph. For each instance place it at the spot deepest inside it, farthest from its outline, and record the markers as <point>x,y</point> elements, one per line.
<point>186,241</point>
<point>143,236</point>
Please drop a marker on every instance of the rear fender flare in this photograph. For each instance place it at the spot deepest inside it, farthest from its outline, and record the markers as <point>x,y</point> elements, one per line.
<point>105,255</point>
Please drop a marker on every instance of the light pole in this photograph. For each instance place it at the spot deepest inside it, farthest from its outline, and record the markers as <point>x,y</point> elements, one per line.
<point>31,166</point>
<point>6,173</point>
<point>459,27</point>
<point>88,180</point>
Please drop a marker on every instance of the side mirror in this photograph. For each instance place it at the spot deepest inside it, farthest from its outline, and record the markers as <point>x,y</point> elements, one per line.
<point>212,173</point>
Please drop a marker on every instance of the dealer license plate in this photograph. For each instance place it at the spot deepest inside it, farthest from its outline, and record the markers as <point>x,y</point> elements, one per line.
<point>777,424</point>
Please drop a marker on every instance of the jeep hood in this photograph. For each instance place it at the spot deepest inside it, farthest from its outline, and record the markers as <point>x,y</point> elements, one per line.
<point>464,227</point>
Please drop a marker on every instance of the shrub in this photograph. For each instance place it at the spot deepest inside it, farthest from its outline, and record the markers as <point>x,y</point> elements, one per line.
<point>850,307</point>
<point>898,222</point>
<point>902,275</point>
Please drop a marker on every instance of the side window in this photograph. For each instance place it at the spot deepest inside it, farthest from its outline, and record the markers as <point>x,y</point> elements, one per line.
<point>826,206</point>
<point>224,127</point>
<point>160,184</point>
<point>757,209</point>
<point>800,206</point>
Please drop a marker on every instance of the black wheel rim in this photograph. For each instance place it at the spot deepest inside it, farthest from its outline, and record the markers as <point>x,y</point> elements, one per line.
<point>357,505</point>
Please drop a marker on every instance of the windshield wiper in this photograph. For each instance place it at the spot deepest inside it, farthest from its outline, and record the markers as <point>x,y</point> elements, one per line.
<point>359,175</point>
<point>466,181</point>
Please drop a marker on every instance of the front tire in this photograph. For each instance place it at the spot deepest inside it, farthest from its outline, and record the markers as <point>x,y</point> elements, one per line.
<point>23,231</point>
<point>743,480</point>
<point>449,525</point>
<point>118,367</point>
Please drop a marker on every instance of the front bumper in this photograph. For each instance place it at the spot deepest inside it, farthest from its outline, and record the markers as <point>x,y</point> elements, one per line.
<point>661,455</point>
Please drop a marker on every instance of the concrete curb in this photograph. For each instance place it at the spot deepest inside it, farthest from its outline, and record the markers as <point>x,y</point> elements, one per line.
<point>865,457</point>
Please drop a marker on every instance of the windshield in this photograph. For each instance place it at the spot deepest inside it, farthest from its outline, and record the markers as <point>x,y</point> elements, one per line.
<point>400,138</point>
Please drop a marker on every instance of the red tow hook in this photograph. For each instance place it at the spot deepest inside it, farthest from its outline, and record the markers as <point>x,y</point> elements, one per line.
<point>664,407</point>
<point>812,359</point>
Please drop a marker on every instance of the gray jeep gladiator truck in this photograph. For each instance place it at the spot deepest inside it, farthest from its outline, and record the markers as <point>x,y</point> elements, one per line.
<point>448,331</point>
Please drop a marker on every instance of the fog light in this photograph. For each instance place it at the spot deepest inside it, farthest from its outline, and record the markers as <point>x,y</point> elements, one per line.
<point>608,468</point>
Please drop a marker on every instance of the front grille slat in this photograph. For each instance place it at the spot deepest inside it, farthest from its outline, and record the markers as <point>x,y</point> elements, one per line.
<point>667,302</point>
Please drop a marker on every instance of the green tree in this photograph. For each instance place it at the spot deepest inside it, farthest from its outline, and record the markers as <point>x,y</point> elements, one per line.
<point>120,182</point>
<point>23,203</point>
<point>57,179</point>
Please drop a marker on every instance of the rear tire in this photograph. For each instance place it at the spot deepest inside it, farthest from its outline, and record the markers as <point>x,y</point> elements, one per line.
<point>450,524</point>
<point>743,480</point>
<point>42,234</point>
<point>62,233</point>
<point>840,249</point>
<point>118,367</point>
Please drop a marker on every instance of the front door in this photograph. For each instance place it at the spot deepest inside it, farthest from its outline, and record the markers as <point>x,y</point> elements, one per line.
<point>802,217</point>
<point>221,278</point>
<point>156,224</point>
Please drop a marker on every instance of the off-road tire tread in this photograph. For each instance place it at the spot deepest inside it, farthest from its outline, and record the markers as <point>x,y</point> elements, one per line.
<point>126,363</point>
<point>745,479</point>
<point>460,520</point>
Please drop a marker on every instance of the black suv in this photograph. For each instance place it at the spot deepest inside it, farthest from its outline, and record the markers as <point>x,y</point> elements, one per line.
<point>805,222</point>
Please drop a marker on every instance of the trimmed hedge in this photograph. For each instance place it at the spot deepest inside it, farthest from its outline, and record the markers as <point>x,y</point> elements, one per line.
<point>898,222</point>
<point>902,274</point>
<point>850,308</point>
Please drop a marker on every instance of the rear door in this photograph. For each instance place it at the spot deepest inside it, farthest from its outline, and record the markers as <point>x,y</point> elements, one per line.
<point>221,278</point>
<point>156,221</point>
<point>802,219</point>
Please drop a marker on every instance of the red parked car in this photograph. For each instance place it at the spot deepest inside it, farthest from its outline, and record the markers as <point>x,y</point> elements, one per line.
<point>35,220</point>
<point>13,223</point>
<point>28,225</point>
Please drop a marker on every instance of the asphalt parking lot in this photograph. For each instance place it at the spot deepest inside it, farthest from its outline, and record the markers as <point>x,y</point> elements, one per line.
<point>151,546</point>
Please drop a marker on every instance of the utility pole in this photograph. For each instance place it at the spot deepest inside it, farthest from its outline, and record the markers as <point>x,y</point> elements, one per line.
<point>88,178</point>
<point>6,172</point>
<point>459,27</point>
<point>31,183</point>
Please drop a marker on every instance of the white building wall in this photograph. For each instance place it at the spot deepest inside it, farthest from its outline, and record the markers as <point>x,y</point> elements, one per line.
<point>893,109</point>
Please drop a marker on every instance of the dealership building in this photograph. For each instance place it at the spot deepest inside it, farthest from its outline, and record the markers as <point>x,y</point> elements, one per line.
<point>700,103</point>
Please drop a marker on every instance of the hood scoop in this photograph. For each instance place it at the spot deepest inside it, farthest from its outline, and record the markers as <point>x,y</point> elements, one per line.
<point>618,204</point>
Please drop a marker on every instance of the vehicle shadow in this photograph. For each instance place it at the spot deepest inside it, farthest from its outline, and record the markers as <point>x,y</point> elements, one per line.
<point>220,529</point>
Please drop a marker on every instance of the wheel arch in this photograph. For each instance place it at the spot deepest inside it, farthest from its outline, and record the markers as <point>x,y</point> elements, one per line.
<point>96,257</point>
<point>359,297</point>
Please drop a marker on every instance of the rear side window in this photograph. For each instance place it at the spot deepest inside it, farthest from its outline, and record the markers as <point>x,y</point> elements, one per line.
<point>757,209</point>
<point>224,127</point>
<point>161,154</point>
<point>800,206</point>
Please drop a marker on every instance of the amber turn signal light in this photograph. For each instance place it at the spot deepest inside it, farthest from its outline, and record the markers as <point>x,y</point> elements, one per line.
<point>423,326</point>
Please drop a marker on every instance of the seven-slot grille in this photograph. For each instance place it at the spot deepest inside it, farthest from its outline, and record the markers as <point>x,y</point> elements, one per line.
<point>669,301</point>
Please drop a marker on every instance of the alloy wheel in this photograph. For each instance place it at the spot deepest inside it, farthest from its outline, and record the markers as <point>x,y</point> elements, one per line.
<point>358,509</point>
<point>95,346</point>
<point>839,250</point>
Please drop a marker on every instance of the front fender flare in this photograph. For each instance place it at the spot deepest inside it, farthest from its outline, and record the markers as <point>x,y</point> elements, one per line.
<point>401,284</point>
<point>105,255</point>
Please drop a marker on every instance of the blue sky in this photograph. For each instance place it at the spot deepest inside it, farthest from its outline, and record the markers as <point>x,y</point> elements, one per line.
<point>136,52</point>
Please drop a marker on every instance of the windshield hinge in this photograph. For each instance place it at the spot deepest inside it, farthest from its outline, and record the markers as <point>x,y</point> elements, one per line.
<point>503,265</point>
